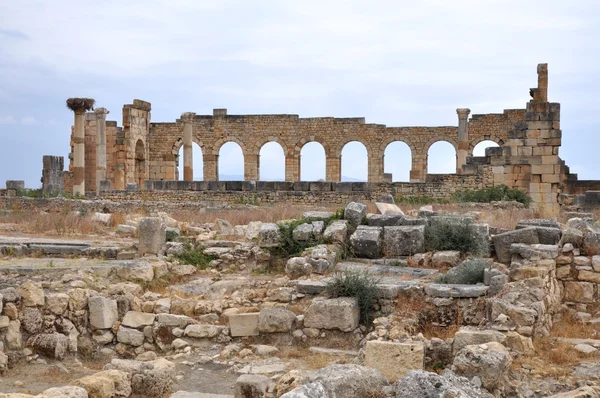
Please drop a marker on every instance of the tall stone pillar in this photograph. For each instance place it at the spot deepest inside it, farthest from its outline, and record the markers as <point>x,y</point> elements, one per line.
<point>52,174</point>
<point>211,167</point>
<point>251,164</point>
<point>292,167</point>
<point>333,168</point>
<point>100,146</point>
<point>463,138</point>
<point>188,161</point>
<point>542,71</point>
<point>79,106</point>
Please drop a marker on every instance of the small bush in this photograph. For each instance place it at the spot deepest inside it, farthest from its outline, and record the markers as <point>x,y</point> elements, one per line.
<point>171,235</point>
<point>195,257</point>
<point>453,235</point>
<point>290,247</point>
<point>419,200</point>
<point>359,285</point>
<point>469,272</point>
<point>491,194</point>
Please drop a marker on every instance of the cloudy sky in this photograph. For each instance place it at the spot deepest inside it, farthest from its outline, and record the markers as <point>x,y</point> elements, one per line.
<point>397,62</point>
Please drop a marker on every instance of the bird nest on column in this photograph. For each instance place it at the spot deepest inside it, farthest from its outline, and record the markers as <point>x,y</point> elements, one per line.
<point>78,104</point>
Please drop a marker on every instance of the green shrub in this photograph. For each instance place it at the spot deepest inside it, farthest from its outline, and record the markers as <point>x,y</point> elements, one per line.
<point>290,247</point>
<point>171,235</point>
<point>419,200</point>
<point>195,257</point>
<point>491,194</point>
<point>451,234</point>
<point>469,272</point>
<point>359,285</point>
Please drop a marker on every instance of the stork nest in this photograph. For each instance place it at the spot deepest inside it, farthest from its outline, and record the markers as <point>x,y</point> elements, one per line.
<point>77,104</point>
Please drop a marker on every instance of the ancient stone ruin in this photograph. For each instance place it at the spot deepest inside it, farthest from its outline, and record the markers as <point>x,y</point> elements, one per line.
<point>143,155</point>
<point>117,280</point>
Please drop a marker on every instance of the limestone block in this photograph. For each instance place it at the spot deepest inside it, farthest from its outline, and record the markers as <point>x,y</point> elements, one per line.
<point>275,320</point>
<point>403,240</point>
<point>336,232</point>
<point>582,392</point>
<point>489,362</point>
<point>253,230</point>
<point>269,235</point>
<point>355,213</point>
<point>446,258</point>
<point>579,292</point>
<point>130,336</point>
<point>103,312</point>
<point>394,359</point>
<point>339,313</point>
<point>135,271</point>
<point>471,336</point>
<point>52,345</point>
<point>31,294</point>
<point>303,232</point>
<point>66,392</point>
<point>519,343</point>
<point>367,241</point>
<point>152,235</point>
<point>241,325</point>
<point>596,263</point>
<point>13,337</point>
<point>57,303</point>
<point>503,241</point>
<point>136,319</point>
<point>253,386</point>
<point>202,331</point>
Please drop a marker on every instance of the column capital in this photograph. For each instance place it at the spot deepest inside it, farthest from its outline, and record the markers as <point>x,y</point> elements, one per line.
<point>188,117</point>
<point>463,113</point>
<point>101,112</point>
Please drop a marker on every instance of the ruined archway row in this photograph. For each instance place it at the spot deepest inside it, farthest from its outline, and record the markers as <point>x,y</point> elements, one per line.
<point>252,132</point>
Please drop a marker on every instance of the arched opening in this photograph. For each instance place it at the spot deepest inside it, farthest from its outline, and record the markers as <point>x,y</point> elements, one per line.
<point>271,164</point>
<point>198,163</point>
<point>140,163</point>
<point>479,149</point>
<point>355,162</point>
<point>441,158</point>
<point>312,162</point>
<point>231,162</point>
<point>397,159</point>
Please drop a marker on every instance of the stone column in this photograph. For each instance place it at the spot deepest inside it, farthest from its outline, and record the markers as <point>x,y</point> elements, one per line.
<point>52,174</point>
<point>100,146</point>
<point>463,138</point>
<point>79,153</point>
<point>292,167</point>
<point>333,168</point>
<point>79,106</point>
<point>211,167</point>
<point>375,169</point>
<point>188,161</point>
<point>418,171</point>
<point>542,71</point>
<point>251,167</point>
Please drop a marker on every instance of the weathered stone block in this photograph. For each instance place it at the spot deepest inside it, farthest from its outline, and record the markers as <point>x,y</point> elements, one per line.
<point>269,235</point>
<point>152,235</point>
<point>103,312</point>
<point>367,241</point>
<point>470,336</point>
<point>355,213</point>
<point>275,320</point>
<point>503,241</point>
<point>253,386</point>
<point>403,240</point>
<point>130,336</point>
<point>241,325</point>
<point>579,292</point>
<point>136,319</point>
<point>336,232</point>
<point>339,313</point>
<point>394,359</point>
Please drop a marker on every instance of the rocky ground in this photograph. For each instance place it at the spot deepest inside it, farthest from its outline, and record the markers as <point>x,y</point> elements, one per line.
<point>331,305</point>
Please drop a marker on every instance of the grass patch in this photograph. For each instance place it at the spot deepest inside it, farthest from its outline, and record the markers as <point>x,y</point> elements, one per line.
<point>459,234</point>
<point>469,272</point>
<point>419,200</point>
<point>291,247</point>
<point>195,257</point>
<point>359,285</point>
<point>492,194</point>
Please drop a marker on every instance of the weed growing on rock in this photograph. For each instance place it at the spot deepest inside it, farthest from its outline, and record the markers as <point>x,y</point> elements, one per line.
<point>469,272</point>
<point>195,257</point>
<point>291,247</point>
<point>492,194</point>
<point>453,235</point>
<point>360,285</point>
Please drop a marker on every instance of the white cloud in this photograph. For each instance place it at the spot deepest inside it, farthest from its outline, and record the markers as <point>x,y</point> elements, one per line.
<point>29,121</point>
<point>7,120</point>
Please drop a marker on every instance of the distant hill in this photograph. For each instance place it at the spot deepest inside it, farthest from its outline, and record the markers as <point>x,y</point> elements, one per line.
<point>238,177</point>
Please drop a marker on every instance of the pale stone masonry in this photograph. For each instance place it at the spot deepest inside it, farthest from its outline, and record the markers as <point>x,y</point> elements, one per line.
<point>141,151</point>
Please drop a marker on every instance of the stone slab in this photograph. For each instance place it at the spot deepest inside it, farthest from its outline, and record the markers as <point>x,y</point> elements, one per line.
<point>388,209</point>
<point>241,325</point>
<point>394,360</point>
